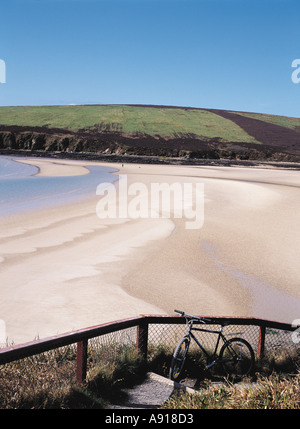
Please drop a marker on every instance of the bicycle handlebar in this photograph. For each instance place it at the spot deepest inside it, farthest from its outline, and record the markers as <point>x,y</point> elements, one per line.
<point>190,316</point>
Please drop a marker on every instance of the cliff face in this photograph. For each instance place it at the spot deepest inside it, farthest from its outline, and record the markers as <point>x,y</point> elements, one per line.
<point>50,140</point>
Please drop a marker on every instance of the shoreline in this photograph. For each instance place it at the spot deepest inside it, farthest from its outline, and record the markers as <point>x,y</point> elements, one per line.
<point>150,160</point>
<point>85,271</point>
<point>47,168</point>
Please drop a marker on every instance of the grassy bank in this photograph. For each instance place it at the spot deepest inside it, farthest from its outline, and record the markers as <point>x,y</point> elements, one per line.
<point>164,122</point>
<point>47,381</point>
<point>273,392</point>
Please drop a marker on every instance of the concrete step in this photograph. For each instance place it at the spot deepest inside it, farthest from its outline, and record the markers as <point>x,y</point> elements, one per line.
<point>151,393</point>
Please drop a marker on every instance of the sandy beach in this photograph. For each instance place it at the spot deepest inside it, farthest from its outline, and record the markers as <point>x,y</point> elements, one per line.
<point>65,268</point>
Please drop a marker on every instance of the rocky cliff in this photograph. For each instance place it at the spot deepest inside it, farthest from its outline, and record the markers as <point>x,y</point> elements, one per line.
<point>51,140</point>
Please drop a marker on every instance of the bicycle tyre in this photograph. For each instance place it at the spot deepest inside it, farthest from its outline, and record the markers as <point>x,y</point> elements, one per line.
<point>237,357</point>
<point>179,357</point>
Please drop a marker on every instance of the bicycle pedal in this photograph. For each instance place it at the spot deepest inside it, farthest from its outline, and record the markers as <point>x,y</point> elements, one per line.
<point>210,364</point>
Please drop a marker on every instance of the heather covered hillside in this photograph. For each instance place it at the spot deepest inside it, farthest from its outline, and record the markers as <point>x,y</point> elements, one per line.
<point>150,131</point>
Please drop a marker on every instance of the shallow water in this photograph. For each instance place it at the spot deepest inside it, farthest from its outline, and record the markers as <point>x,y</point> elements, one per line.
<point>267,301</point>
<point>10,169</point>
<point>22,191</point>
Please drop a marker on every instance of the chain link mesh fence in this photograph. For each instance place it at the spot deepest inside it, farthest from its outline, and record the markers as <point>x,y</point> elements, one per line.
<point>169,335</point>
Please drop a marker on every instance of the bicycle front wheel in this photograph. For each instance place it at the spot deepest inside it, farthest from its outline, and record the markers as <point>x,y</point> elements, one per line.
<point>179,357</point>
<point>237,357</point>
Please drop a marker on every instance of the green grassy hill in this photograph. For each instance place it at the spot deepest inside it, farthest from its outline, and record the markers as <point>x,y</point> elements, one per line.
<point>128,119</point>
<point>150,130</point>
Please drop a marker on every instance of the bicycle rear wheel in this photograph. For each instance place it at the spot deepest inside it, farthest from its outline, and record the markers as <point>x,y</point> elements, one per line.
<point>179,357</point>
<point>237,357</point>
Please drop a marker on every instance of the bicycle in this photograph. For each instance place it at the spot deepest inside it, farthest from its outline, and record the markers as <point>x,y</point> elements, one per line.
<point>236,354</point>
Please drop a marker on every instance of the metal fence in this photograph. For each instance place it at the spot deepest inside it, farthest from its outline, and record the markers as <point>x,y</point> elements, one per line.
<point>70,357</point>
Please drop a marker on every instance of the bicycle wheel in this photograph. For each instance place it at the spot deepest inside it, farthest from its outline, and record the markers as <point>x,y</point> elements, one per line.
<point>179,357</point>
<point>237,357</point>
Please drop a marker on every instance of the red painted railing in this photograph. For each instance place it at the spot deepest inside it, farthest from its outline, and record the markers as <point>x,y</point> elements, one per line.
<point>81,337</point>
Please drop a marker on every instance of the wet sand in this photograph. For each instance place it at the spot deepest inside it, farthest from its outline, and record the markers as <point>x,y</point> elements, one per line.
<point>64,269</point>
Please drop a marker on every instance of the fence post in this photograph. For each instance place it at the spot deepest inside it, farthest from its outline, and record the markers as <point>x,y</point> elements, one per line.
<point>142,339</point>
<point>261,341</point>
<point>81,360</point>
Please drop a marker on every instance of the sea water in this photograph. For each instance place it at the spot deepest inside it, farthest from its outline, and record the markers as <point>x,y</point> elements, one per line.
<point>22,191</point>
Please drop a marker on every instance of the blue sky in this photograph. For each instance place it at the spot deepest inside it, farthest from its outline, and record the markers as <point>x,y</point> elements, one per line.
<point>223,54</point>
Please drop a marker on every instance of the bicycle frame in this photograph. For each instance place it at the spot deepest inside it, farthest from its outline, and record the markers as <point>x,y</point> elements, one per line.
<point>220,334</point>
<point>236,355</point>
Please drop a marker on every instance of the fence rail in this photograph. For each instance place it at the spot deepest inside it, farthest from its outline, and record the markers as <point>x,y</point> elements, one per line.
<point>147,328</point>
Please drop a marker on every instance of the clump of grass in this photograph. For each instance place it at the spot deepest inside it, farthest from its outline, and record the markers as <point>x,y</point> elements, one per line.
<point>111,379</point>
<point>281,360</point>
<point>273,392</point>
<point>159,359</point>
